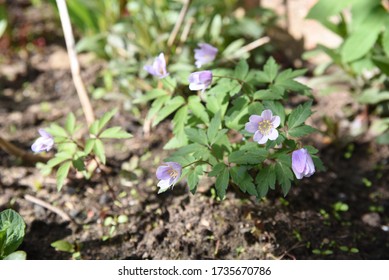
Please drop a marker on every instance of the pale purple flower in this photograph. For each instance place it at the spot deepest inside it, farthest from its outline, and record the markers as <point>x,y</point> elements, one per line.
<point>302,163</point>
<point>43,143</point>
<point>205,54</point>
<point>200,80</point>
<point>263,126</point>
<point>158,68</point>
<point>168,174</point>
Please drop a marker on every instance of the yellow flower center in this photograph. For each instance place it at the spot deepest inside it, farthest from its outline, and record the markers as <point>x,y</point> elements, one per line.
<point>265,127</point>
<point>173,173</point>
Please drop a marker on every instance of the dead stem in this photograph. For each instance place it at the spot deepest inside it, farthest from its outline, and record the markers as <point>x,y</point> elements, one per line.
<point>26,157</point>
<point>74,64</point>
<point>179,22</point>
<point>50,207</point>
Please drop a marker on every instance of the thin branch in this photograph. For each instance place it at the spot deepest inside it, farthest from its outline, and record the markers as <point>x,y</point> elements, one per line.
<point>179,22</point>
<point>74,64</point>
<point>251,46</point>
<point>25,156</point>
<point>48,206</point>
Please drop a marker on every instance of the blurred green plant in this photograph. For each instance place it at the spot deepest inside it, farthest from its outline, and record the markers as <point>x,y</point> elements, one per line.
<point>65,246</point>
<point>79,154</point>
<point>138,30</point>
<point>363,54</point>
<point>12,230</point>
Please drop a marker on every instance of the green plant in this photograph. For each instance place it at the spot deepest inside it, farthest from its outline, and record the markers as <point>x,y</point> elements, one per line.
<point>12,230</point>
<point>149,25</point>
<point>84,154</point>
<point>212,129</point>
<point>363,54</point>
<point>65,246</point>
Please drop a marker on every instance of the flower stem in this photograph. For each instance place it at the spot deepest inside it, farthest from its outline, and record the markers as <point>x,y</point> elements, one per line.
<point>197,161</point>
<point>231,78</point>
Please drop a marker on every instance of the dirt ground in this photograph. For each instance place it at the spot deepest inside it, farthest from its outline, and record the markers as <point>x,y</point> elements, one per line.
<point>341,213</point>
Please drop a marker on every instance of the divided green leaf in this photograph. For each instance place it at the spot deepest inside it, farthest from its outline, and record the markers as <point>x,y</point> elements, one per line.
<point>12,230</point>
<point>299,115</point>
<point>62,173</point>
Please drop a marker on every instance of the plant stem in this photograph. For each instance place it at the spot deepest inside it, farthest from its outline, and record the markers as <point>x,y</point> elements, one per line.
<point>241,82</point>
<point>26,157</point>
<point>179,22</point>
<point>197,161</point>
<point>74,64</point>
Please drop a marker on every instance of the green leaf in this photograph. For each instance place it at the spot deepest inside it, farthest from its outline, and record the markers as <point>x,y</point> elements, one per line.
<point>179,121</point>
<point>98,149</point>
<point>157,105</point>
<point>59,158</point>
<point>266,178</point>
<point>255,108</point>
<point>188,149</point>
<point>299,115</point>
<point>170,106</point>
<point>198,108</point>
<point>222,183</point>
<point>301,130</point>
<point>56,131</point>
<point>217,98</point>
<point>241,70</point>
<point>62,173</point>
<point>78,163</point>
<point>243,180</point>
<point>194,177</point>
<point>70,123</point>
<point>90,143</point>
<point>68,148</point>
<point>270,69</point>
<point>267,94</point>
<point>326,8</point>
<point>277,108</point>
<point>63,246</point>
<point>385,41</point>
<point>115,132</point>
<point>94,128</point>
<point>319,166</point>
<point>150,95</point>
<point>285,80</point>
<point>250,153</point>
<point>169,83</point>
<point>231,49</point>
<point>373,96</point>
<point>213,128</point>
<point>197,136</point>
<point>382,62</point>
<point>12,230</point>
<point>222,174</point>
<point>236,116</point>
<point>216,27</point>
<point>16,256</point>
<point>105,119</point>
<point>365,36</point>
<point>284,176</point>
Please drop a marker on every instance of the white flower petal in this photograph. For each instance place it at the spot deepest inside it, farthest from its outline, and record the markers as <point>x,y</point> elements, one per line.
<point>273,134</point>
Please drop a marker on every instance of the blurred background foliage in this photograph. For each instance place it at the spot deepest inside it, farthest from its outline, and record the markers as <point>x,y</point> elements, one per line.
<point>128,34</point>
<point>363,55</point>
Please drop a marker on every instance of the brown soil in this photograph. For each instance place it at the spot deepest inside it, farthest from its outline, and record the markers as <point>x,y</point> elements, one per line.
<point>177,224</point>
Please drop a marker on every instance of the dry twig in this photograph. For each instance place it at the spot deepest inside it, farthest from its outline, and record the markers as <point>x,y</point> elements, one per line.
<point>50,207</point>
<point>74,64</point>
<point>25,156</point>
<point>179,22</point>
